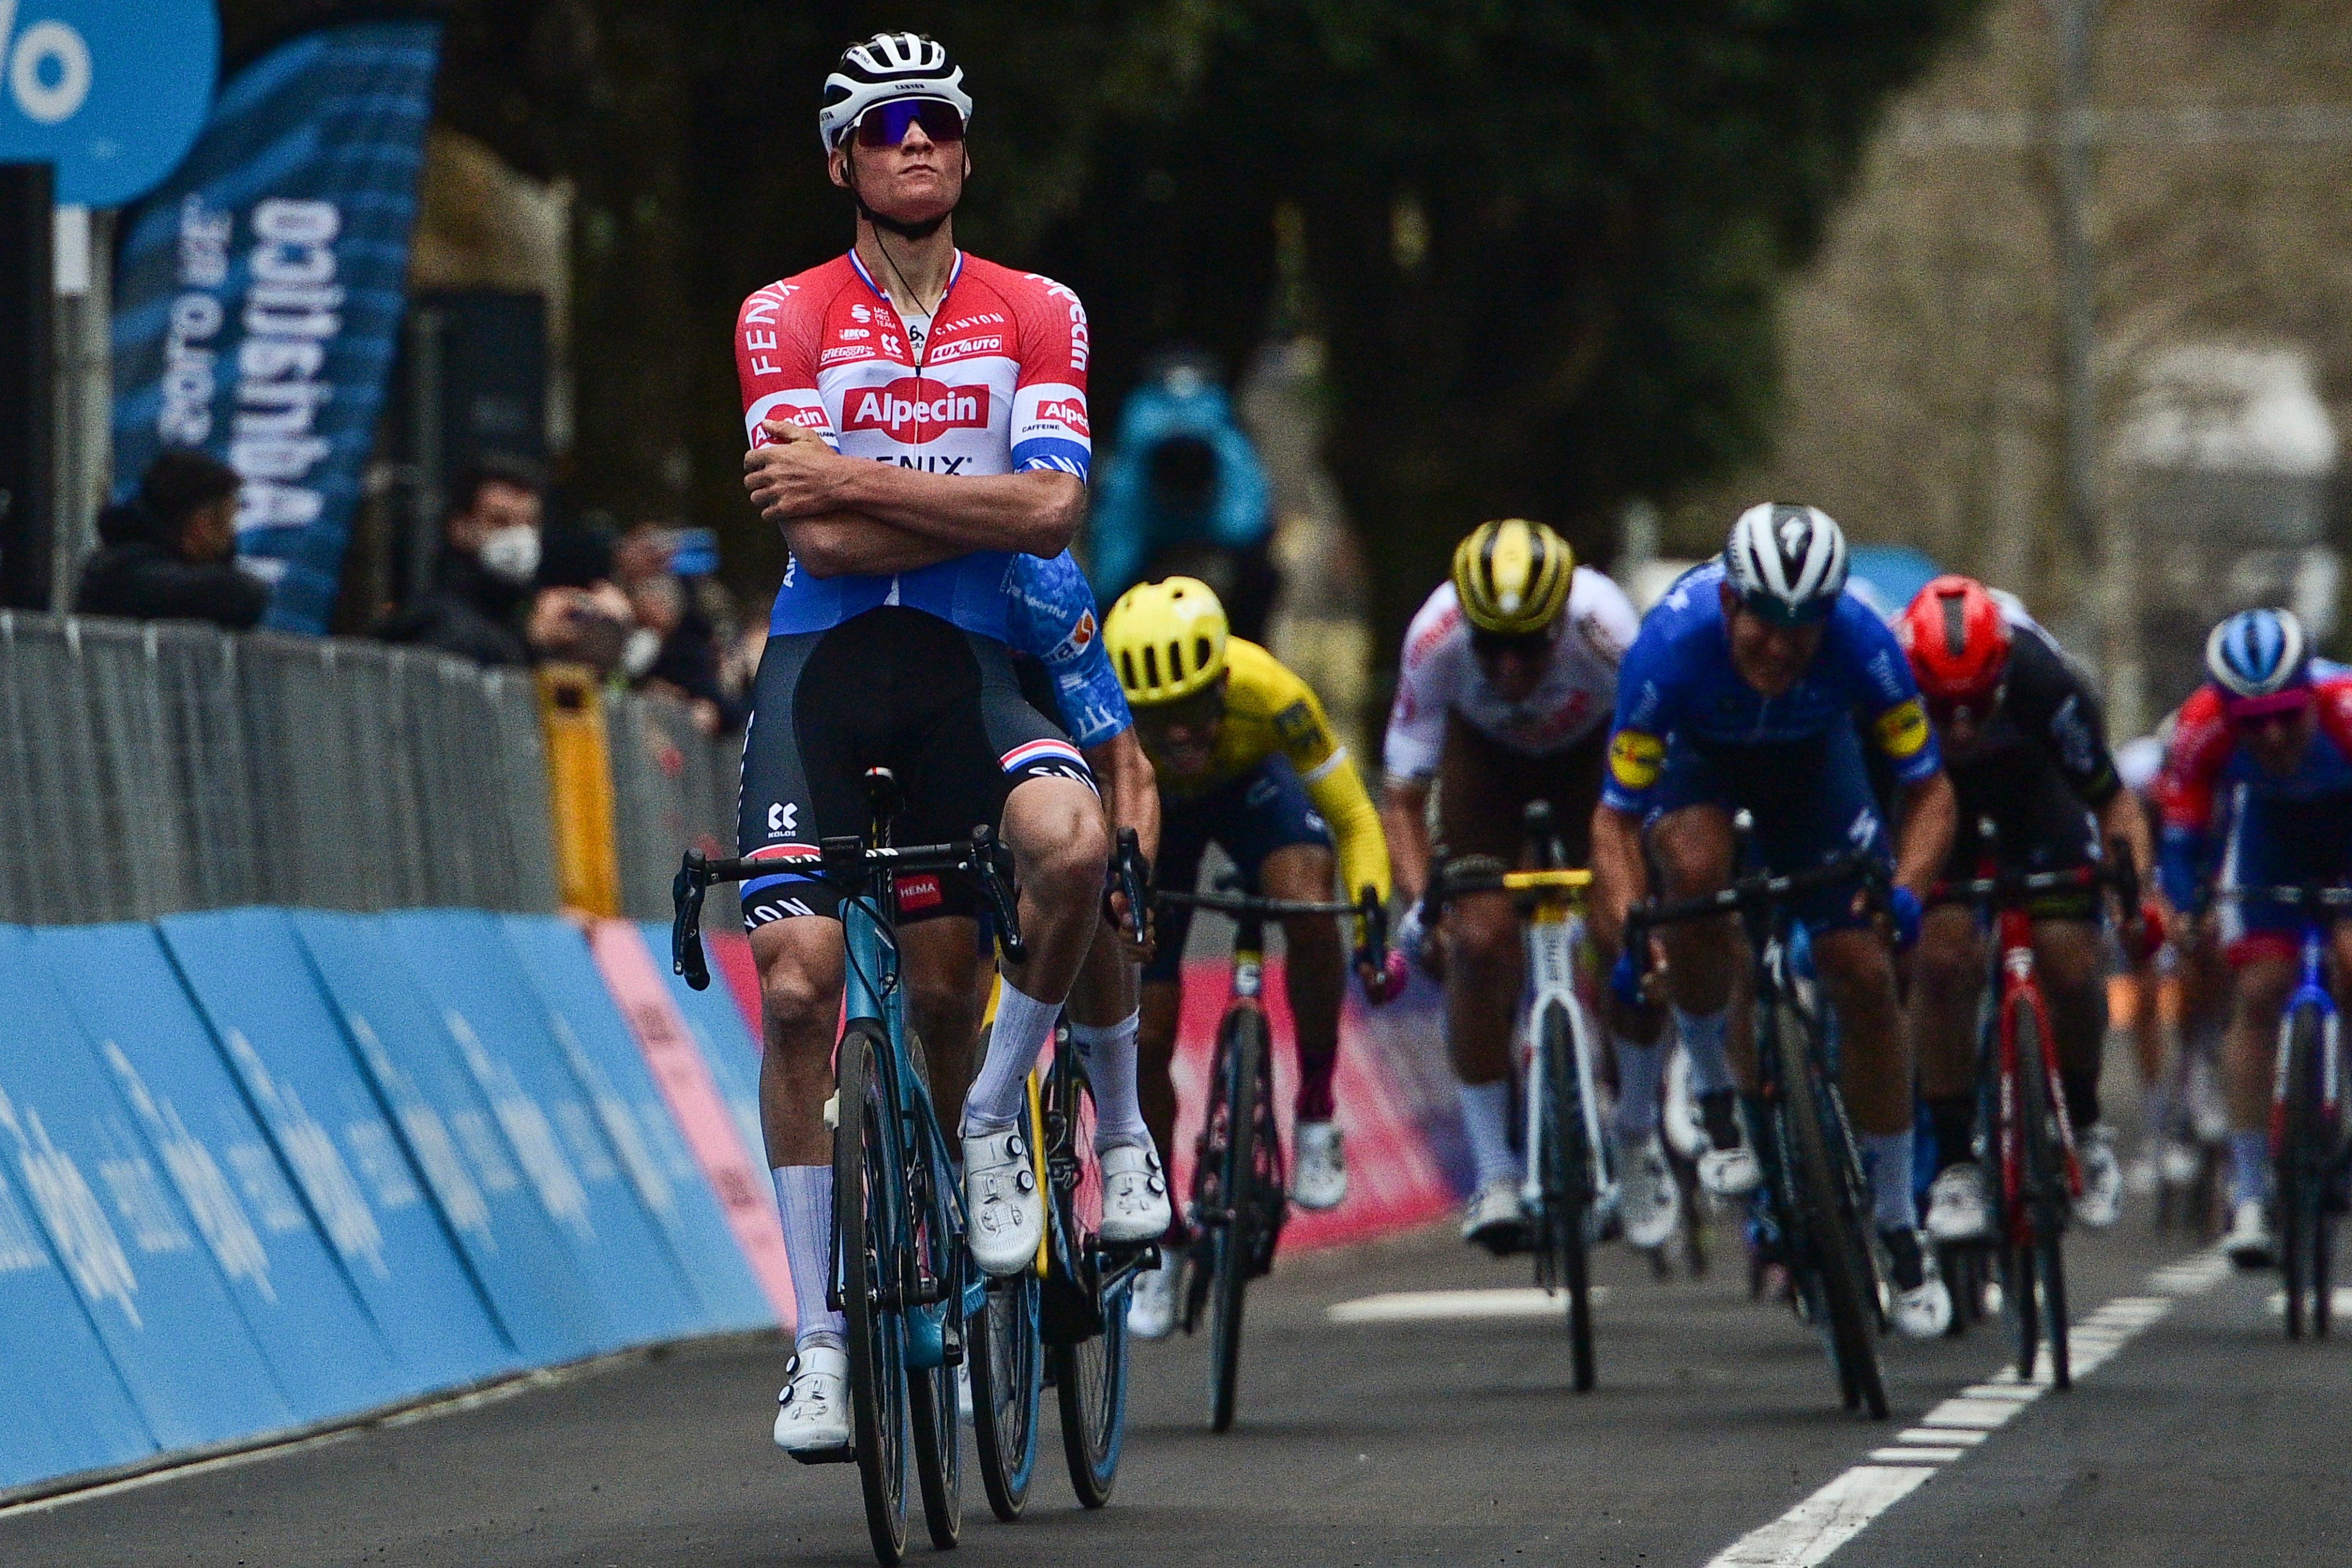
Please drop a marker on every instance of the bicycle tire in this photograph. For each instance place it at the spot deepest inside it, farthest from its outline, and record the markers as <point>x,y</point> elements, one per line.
<point>1567,1178</point>
<point>2299,1174</point>
<point>1232,1243</point>
<point>1091,1374</point>
<point>2045,1197</point>
<point>864,1197</point>
<point>1839,1260</point>
<point>1008,1385</point>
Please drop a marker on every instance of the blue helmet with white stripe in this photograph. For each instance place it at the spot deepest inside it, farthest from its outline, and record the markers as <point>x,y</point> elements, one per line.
<point>2258,654</point>
<point>1787,563</point>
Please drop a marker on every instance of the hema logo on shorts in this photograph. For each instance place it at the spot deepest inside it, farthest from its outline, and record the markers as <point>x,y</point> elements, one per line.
<point>912,401</point>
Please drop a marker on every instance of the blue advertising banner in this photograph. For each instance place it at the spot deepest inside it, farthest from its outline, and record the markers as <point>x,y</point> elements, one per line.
<point>328,1354</point>
<point>508,1043</point>
<point>602,1054</point>
<point>454,1136</point>
<point>149,1285</point>
<point>110,93</point>
<point>258,292</point>
<point>67,1408</point>
<point>286,1046</point>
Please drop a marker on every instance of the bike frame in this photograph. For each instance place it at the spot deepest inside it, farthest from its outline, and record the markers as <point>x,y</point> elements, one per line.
<point>2013,965</point>
<point>2311,992</point>
<point>1552,934</point>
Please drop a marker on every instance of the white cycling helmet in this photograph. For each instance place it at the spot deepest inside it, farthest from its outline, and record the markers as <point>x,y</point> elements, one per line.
<point>1787,563</point>
<point>887,65</point>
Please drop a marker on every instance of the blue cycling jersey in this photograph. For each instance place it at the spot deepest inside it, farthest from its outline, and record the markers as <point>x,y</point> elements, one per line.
<point>1677,684</point>
<point>1050,616</point>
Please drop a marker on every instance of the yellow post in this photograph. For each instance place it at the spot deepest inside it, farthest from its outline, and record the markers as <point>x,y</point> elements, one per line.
<point>580,789</point>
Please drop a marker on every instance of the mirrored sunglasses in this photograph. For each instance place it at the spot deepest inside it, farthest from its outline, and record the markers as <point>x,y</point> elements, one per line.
<point>885,124</point>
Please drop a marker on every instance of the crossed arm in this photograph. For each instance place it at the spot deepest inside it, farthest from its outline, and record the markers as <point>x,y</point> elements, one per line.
<point>841,516</point>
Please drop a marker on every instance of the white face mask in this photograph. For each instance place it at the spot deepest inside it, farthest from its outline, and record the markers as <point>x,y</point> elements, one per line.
<point>512,554</point>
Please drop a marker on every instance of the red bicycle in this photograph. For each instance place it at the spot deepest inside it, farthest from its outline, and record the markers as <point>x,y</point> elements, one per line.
<point>2021,1100</point>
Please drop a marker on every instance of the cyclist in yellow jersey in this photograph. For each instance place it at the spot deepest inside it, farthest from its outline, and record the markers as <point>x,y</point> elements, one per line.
<point>1246,760</point>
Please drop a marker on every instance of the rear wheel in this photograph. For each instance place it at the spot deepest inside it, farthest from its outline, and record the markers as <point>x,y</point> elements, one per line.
<point>865,1198</point>
<point>1840,1256</point>
<point>2040,1270</point>
<point>1238,1205</point>
<point>1565,1174</point>
<point>2301,1177</point>
<point>1089,1369</point>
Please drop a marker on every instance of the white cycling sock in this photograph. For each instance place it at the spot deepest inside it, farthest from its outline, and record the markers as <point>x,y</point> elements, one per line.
<point>1019,1034</point>
<point>1487,1117</point>
<point>1886,1161</point>
<point>2250,1167</point>
<point>805,1199</point>
<point>1639,1070</point>
<point>1109,1052</point>
<point>1703,1040</point>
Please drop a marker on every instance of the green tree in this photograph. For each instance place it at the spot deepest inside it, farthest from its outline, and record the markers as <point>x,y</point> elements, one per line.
<point>1541,238</point>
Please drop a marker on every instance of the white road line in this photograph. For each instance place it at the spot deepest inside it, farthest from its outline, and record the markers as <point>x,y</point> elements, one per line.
<point>1809,1532</point>
<point>1451,1306</point>
<point>2341,1302</point>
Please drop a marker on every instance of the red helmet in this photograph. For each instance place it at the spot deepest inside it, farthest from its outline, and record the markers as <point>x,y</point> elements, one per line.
<point>1958,640</point>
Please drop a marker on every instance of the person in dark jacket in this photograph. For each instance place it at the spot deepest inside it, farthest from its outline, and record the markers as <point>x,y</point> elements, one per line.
<point>486,604</point>
<point>169,552</point>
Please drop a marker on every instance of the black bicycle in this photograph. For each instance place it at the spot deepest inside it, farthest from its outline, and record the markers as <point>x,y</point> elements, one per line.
<point>1814,1199</point>
<point>1240,1193</point>
<point>1064,1321</point>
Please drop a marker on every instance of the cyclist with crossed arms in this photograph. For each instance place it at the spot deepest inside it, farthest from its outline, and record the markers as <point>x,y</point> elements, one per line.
<point>1741,692</point>
<point>1503,692</point>
<point>2261,760</point>
<point>2024,739</point>
<point>918,424</point>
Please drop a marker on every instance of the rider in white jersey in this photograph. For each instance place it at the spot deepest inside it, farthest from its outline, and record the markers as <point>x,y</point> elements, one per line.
<point>1497,707</point>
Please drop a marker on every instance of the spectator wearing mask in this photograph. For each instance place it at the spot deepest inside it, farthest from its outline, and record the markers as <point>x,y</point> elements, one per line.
<point>168,553</point>
<point>1184,493</point>
<point>676,646</point>
<point>484,603</point>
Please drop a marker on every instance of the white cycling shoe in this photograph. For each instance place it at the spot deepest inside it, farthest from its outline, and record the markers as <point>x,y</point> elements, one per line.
<point>1728,1168</point>
<point>1320,1182</point>
<point>1648,1199</point>
<point>1004,1211</point>
<point>1956,1204</point>
<point>1135,1195</point>
<point>1496,1219</point>
<point>2102,1200</point>
<point>2250,1242</point>
<point>1152,1303</point>
<point>813,1412</point>
<point>1922,1307</point>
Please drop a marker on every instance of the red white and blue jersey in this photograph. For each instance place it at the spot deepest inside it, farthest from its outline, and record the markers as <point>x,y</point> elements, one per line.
<point>998,386</point>
<point>2205,763</point>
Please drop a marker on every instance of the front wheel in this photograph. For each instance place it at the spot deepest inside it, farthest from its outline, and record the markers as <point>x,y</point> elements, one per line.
<point>1089,1367</point>
<point>867,1195</point>
<point>2303,1164</point>
<point>1233,1232</point>
<point>1839,1258</point>
<point>1565,1171</point>
<point>2038,1259</point>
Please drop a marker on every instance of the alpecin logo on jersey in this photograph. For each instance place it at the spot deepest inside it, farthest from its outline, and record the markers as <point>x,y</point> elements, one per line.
<point>912,408</point>
<point>1065,412</point>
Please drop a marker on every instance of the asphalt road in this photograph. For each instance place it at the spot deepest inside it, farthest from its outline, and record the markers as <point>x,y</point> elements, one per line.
<point>2204,1438</point>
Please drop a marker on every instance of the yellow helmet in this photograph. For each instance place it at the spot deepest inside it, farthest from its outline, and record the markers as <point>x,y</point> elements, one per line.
<point>1512,576</point>
<point>1167,640</point>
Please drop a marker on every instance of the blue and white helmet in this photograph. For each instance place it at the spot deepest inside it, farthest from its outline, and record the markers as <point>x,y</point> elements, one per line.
<point>887,65</point>
<point>2258,654</point>
<point>1787,563</point>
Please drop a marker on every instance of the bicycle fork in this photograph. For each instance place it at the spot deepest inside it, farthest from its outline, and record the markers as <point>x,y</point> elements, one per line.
<point>2311,992</point>
<point>1551,973</point>
<point>2017,966</point>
